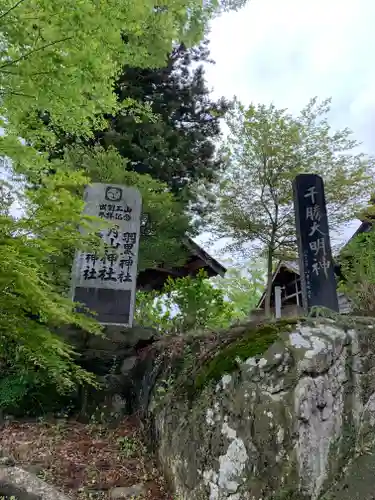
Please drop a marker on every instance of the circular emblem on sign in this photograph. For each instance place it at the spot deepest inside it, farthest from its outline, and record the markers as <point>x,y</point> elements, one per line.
<point>113,193</point>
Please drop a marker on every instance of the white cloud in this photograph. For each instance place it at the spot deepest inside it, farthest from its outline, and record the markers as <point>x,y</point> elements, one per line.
<point>291,50</point>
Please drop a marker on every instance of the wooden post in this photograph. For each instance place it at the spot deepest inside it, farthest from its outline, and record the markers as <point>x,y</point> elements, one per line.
<point>278,302</point>
<point>297,295</point>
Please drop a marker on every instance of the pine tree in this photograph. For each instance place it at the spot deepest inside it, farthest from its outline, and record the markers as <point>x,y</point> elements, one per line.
<point>177,145</point>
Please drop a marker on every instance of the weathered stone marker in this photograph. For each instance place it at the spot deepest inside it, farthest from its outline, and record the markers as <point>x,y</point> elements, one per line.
<point>315,254</point>
<point>107,284</point>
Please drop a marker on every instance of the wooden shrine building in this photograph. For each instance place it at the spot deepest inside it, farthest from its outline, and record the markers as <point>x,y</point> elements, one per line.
<point>287,277</point>
<point>197,259</point>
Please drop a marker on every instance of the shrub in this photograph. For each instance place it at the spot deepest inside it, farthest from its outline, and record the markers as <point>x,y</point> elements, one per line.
<point>358,269</point>
<point>185,304</point>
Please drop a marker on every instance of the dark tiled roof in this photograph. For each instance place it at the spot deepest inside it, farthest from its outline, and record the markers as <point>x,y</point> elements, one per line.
<point>212,263</point>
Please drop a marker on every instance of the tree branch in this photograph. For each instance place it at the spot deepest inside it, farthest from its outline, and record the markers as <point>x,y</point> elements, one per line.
<point>284,220</point>
<point>265,205</point>
<point>17,93</point>
<point>25,56</point>
<point>264,181</point>
<point>10,10</point>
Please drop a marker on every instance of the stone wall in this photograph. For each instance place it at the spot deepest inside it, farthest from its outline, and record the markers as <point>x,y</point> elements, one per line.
<point>295,422</point>
<point>278,411</point>
<point>123,361</point>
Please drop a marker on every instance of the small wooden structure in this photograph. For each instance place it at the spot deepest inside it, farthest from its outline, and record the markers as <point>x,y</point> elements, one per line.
<point>365,227</point>
<point>287,277</point>
<point>197,258</point>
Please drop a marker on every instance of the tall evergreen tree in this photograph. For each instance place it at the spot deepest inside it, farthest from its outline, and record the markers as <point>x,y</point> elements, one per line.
<point>177,145</point>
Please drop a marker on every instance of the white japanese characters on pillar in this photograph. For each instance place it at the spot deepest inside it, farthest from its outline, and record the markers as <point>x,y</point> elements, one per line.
<point>317,271</point>
<point>318,243</point>
<point>106,283</point>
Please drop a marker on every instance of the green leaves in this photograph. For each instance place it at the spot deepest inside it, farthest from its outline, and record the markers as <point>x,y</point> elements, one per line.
<point>358,269</point>
<point>199,304</point>
<point>242,287</point>
<point>267,148</point>
<point>32,307</point>
<point>58,64</point>
<point>196,303</point>
<point>185,304</point>
<point>64,54</point>
<point>171,134</point>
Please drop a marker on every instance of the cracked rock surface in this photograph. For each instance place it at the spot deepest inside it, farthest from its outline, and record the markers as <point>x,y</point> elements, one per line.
<point>295,423</point>
<point>17,483</point>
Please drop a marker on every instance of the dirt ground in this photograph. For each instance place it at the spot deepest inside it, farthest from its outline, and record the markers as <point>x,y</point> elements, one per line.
<point>85,461</point>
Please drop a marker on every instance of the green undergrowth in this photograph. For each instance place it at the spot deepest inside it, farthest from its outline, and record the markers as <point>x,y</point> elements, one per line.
<point>254,343</point>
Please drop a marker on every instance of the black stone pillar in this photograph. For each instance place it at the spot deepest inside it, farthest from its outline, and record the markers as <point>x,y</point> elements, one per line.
<point>315,255</point>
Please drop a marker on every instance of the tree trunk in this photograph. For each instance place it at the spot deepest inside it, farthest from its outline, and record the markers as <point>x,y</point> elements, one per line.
<point>267,306</point>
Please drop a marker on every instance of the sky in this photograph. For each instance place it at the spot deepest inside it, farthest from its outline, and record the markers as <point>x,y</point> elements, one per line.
<point>287,51</point>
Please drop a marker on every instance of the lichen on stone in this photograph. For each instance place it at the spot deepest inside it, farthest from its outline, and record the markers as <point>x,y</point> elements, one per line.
<point>254,343</point>
<point>284,411</point>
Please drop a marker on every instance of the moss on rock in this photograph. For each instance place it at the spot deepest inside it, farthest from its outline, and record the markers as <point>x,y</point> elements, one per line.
<point>288,494</point>
<point>255,342</point>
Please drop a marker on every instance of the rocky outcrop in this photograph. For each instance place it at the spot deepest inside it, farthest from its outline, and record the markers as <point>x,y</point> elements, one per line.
<point>121,359</point>
<point>284,412</point>
<point>274,411</point>
<point>279,411</point>
<point>17,483</point>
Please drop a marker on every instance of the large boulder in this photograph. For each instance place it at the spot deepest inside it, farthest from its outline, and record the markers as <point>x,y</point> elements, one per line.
<point>17,483</point>
<point>122,359</point>
<point>284,411</point>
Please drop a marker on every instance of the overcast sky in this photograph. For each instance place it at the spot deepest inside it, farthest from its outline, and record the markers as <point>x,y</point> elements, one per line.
<point>287,51</point>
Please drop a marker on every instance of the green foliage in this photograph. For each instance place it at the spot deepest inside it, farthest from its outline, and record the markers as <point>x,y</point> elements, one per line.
<point>255,343</point>
<point>196,302</point>
<point>267,148</point>
<point>130,446</point>
<point>31,306</point>
<point>59,56</point>
<point>242,286</point>
<point>185,304</point>
<point>152,310</point>
<point>59,62</point>
<point>200,305</point>
<point>30,393</point>
<point>358,269</point>
<point>175,142</point>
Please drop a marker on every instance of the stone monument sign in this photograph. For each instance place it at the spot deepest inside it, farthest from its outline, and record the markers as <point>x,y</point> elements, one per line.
<point>106,283</point>
<point>318,280</point>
